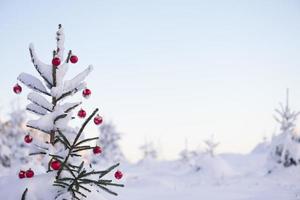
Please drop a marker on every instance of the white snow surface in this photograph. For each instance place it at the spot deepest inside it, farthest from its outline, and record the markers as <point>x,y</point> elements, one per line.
<point>44,69</point>
<point>32,82</point>
<point>60,37</point>
<point>38,99</point>
<point>47,122</point>
<point>75,83</point>
<point>225,177</point>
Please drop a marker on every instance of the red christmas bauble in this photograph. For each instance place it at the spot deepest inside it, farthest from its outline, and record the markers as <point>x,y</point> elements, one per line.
<point>81,113</point>
<point>98,120</point>
<point>86,93</point>
<point>22,174</point>
<point>55,61</point>
<point>97,150</point>
<point>74,59</point>
<point>118,174</point>
<point>17,89</point>
<point>55,165</point>
<point>29,173</point>
<point>28,138</point>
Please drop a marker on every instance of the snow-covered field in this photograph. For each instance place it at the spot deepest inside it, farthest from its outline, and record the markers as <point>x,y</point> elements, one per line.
<point>248,181</point>
<point>225,177</point>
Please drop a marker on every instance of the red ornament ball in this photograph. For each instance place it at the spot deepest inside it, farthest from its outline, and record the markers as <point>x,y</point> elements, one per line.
<point>118,174</point>
<point>55,61</point>
<point>97,150</point>
<point>55,165</point>
<point>28,138</point>
<point>81,113</point>
<point>22,174</point>
<point>17,89</point>
<point>98,120</point>
<point>29,173</point>
<point>74,59</point>
<point>86,93</point>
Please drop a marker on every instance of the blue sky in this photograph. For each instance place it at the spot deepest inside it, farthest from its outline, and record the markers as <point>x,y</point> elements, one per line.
<point>167,70</point>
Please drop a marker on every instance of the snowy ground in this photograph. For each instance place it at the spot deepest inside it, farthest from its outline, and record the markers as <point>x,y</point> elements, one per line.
<point>250,182</point>
<point>227,177</point>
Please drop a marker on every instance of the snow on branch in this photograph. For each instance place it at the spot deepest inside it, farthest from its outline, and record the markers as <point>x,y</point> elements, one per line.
<point>36,109</point>
<point>51,121</point>
<point>33,83</point>
<point>67,107</point>
<point>70,87</point>
<point>60,39</point>
<point>43,69</point>
<point>60,73</point>
<point>40,101</point>
<point>77,80</point>
<point>31,125</point>
<point>78,88</point>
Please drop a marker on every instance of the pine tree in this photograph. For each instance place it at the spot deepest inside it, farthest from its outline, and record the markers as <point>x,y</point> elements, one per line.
<point>109,142</point>
<point>286,144</point>
<point>211,146</point>
<point>73,177</point>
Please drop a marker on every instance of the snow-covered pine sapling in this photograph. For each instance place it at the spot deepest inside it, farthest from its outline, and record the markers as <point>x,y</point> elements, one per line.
<point>286,145</point>
<point>73,177</point>
<point>211,146</point>
<point>185,153</point>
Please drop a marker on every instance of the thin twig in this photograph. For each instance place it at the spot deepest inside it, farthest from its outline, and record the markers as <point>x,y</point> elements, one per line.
<point>24,194</point>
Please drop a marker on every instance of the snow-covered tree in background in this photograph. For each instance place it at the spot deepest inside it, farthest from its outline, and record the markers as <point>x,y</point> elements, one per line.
<point>188,157</point>
<point>200,158</point>
<point>5,151</point>
<point>185,153</point>
<point>285,146</point>
<point>211,146</point>
<point>15,133</point>
<point>109,141</point>
<point>14,151</point>
<point>149,151</point>
<point>73,176</point>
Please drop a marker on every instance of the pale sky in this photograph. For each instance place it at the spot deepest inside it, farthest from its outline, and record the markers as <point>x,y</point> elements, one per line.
<point>166,70</point>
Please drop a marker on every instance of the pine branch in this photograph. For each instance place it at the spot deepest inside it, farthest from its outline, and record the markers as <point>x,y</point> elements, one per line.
<point>37,153</point>
<point>59,117</point>
<point>56,157</point>
<point>69,55</point>
<point>23,78</point>
<point>37,68</point>
<point>64,95</point>
<point>107,190</point>
<point>24,194</point>
<point>38,104</point>
<point>109,169</point>
<point>64,140</point>
<point>37,128</point>
<point>87,140</point>
<point>35,111</point>
<point>84,125</point>
<point>54,100</point>
<point>73,107</point>
<point>75,150</point>
<point>75,141</point>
